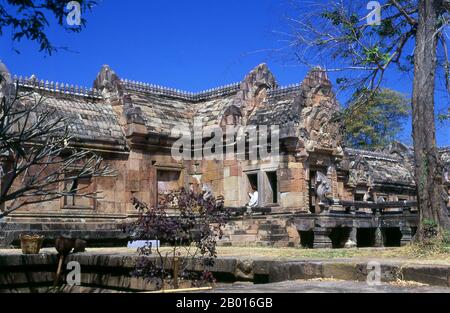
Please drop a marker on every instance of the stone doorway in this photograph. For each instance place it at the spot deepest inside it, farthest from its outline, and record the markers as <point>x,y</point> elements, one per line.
<point>366,237</point>
<point>307,239</point>
<point>339,237</point>
<point>392,237</point>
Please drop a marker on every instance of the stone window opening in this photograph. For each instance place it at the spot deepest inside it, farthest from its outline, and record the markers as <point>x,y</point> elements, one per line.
<point>77,189</point>
<point>168,181</point>
<point>359,197</point>
<point>266,184</point>
<point>252,183</point>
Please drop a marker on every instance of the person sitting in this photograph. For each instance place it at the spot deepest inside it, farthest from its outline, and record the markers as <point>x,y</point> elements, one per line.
<point>253,203</point>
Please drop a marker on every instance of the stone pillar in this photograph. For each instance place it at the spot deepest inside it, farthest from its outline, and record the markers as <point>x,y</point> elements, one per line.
<point>406,235</point>
<point>292,186</point>
<point>352,240</point>
<point>379,242</point>
<point>321,238</point>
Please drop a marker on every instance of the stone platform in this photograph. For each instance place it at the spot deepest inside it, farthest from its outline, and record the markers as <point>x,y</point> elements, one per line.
<point>111,271</point>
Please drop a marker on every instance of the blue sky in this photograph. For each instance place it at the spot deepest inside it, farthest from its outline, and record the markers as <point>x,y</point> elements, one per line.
<point>190,45</point>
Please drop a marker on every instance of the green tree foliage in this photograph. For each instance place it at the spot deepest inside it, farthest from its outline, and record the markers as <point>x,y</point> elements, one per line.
<point>444,117</point>
<point>378,122</point>
<point>30,19</point>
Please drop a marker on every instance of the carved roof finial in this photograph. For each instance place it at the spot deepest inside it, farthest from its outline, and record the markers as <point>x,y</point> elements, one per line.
<point>107,80</point>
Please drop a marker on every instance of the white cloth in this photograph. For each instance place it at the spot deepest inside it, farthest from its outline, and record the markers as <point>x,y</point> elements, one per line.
<point>253,200</point>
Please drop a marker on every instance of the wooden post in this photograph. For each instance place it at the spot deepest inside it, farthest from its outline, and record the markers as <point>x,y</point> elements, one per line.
<point>58,271</point>
<point>176,269</point>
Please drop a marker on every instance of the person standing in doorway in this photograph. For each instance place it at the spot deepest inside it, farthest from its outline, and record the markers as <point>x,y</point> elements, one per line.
<point>253,203</point>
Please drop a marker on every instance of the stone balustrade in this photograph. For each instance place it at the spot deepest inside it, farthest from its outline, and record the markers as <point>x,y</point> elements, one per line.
<point>57,87</point>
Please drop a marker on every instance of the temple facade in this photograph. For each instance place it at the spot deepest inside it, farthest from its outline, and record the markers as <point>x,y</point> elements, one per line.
<point>313,191</point>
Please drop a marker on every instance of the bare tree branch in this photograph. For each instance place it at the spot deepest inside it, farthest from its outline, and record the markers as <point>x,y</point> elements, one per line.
<point>402,10</point>
<point>37,160</point>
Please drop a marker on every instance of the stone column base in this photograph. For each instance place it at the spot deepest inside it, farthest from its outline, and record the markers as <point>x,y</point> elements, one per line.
<point>406,235</point>
<point>321,238</point>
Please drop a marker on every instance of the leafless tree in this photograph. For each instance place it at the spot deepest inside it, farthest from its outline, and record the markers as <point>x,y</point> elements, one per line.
<point>38,162</point>
<point>410,37</point>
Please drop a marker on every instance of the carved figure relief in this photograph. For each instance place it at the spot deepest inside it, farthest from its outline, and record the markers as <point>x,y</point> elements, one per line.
<point>360,173</point>
<point>323,189</point>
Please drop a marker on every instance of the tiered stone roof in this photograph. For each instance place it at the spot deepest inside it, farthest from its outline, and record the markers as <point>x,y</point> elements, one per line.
<point>90,118</point>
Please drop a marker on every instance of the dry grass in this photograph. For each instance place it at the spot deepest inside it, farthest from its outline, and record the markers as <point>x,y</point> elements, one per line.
<point>409,284</point>
<point>408,253</point>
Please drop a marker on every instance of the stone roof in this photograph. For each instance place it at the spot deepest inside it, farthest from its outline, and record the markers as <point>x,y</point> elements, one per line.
<point>379,167</point>
<point>281,107</point>
<point>164,108</point>
<point>90,118</point>
<point>393,166</point>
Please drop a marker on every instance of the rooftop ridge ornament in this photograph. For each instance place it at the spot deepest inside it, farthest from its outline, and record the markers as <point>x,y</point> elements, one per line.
<point>372,154</point>
<point>284,90</point>
<point>183,94</point>
<point>56,87</point>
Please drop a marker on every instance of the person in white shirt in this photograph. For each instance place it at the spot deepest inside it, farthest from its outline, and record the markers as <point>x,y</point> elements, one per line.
<point>253,203</point>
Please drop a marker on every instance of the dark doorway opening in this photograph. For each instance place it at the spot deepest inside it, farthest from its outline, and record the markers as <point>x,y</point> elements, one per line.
<point>365,237</point>
<point>392,237</point>
<point>312,192</point>
<point>339,237</point>
<point>253,180</point>
<point>272,178</point>
<point>307,239</point>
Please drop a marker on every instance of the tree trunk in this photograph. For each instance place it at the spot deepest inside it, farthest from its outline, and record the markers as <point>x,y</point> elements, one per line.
<point>428,168</point>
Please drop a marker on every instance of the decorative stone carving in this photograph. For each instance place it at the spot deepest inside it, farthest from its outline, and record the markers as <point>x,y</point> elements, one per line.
<point>318,107</point>
<point>368,196</point>
<point>107,81</point>
<point>323,189</point>
<point>7,87</point>
<point>232,116</point>
<point>207,192</point>
<point>360,173</point>
<point>254,90</point>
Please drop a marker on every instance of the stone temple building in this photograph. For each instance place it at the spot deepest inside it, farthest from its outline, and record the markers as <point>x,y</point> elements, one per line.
<point>316,194</point>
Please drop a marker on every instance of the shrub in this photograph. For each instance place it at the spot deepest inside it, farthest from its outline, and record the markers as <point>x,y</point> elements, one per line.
<point>190,237</point>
